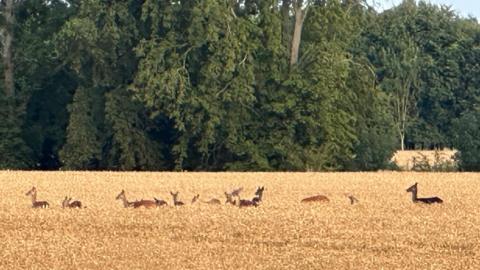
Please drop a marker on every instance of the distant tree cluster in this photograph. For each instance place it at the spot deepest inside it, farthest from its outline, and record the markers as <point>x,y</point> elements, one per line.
<point>245,85</point>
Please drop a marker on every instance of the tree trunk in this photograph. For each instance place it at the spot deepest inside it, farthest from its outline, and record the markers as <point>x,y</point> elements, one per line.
<point>7,42</point>
<point>286,23</point>
<point>402,141</point>
<point>297,31</point>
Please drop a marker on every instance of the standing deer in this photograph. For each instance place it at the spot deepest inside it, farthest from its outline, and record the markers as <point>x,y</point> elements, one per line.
<point>75,204</point>
<point>36,204</point>
<point>317,198</point>
<point>413,189</point>
<point>176,202</point>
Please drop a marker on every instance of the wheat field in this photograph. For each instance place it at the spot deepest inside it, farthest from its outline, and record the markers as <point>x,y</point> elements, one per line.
<point>384,231</point>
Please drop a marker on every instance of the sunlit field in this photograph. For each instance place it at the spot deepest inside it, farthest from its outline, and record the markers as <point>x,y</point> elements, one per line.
<point>385,230</point>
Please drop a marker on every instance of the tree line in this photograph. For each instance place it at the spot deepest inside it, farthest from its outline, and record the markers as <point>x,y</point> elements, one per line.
<point>245,85</point>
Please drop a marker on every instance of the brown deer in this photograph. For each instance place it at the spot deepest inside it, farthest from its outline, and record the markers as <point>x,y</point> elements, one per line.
<point>258,195</point>
<point>160,202</point>
<point>229,196</point>
<point>212,201</point>
<point>229,199</point>
<point>75,204</point>
<point>352,198</point>
<point>145,203</point>
<point>126,203</point>
<point>176,202</point>
<point>36,204</point>
<point>236,192</point>
<point>253,202</point>
<point>246,203</point>
<point>413,189</point>
<point>195,198</point>
<point>316,198</point>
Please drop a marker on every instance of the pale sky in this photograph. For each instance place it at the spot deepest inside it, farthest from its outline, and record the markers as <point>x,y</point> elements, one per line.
<point>463,7</point>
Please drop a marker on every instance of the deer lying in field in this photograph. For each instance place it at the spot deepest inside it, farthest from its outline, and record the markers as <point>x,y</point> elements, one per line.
<point>236,192</point>
<point>195,198</point>
<point>413,189</point>
<point>145,203</point>
<point>253,202</point>
<point>246,203</point>
<point>160,202</point>
<point>75,204</point>
<point>36,204</point>
<point>176,202</point>
<point>258,195</point>
<point>229,199</point>
<point>121,196</point>
<point>212,201</point>
<point>316,198</point>
<point>352,198</point>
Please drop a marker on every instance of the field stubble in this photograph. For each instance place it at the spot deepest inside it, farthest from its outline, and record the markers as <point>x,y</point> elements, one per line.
<point>384,231</point>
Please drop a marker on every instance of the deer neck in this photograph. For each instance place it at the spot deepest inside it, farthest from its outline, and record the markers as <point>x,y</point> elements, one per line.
<point>414,195</point>
<point>124,200</point>
<point>34,197</point>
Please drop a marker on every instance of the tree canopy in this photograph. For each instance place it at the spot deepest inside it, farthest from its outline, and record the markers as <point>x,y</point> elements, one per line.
<point>274,85</point>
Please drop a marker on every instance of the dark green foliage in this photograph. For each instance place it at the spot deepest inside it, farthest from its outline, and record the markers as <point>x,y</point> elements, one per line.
<point>209,85</point>
<point>133,147</point>
<point>15,154</point>
<point>84,142</point>
<point>467,140</point>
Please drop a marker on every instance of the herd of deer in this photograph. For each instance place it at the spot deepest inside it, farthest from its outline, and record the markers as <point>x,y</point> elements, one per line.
<point>232,198</point>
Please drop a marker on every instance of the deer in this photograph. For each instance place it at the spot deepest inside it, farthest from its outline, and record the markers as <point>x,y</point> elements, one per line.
<point>413,189</point>
<point>316,198</point>
<point>253,202</point>
<point>195,198</point>
<point>36,204</point>
<point>236,192</point>
<point>229,199</point>
<point>145,203</point>
<point>352,198</point>
<point>212,201</point>
<point>258,195</point>
<point>126,203</point>
<point>229,196</point>
<point>176,202</point>
<point>75,204</point>
<point>246,203</point>
<point>160,202</point>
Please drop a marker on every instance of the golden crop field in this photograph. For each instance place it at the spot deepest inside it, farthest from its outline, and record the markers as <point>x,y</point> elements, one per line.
<point>385,230</point>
